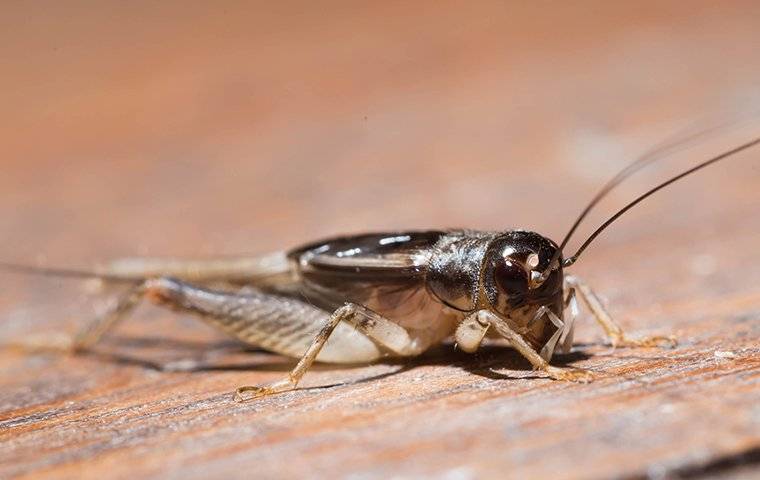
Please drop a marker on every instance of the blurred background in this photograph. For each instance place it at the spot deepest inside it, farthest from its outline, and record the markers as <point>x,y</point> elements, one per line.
<point>195,128</point>
<point>200,128</point>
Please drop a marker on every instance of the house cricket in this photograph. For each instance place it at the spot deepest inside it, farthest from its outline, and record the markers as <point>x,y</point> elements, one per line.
<point>357,299</point>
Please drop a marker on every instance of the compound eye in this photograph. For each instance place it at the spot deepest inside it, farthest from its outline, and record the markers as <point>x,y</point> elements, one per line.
<point>511,278</point>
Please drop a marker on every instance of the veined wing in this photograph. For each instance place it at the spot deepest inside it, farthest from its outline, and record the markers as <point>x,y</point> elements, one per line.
<point>380,270</point>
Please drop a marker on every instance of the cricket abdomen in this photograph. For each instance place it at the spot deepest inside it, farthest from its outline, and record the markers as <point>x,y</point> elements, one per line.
<point>277,323</point>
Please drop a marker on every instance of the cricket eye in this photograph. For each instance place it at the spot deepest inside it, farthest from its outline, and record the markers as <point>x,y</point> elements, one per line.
<point>511,278</point>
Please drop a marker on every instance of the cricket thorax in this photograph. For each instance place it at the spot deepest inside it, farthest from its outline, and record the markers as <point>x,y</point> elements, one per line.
<point>469,271</point>
<point>454,268</point>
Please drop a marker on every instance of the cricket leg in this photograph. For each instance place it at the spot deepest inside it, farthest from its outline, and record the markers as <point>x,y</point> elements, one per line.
<point>470,334</point>
<point>614,332</point>
<point>571,304</point>
<point>562,337</point>
<point>92,332</point>
<point>285,325</point>
<point>385,333</point>
<point>289,326</point>
<point>527,351</point>
<point>272,269</point>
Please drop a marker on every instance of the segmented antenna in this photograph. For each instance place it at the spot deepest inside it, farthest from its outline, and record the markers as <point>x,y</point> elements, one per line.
<point>657,152</point>
<point>722,156</point>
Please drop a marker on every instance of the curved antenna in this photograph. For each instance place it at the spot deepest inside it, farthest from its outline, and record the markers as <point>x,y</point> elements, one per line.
<point>657,152</point>
<point>722,156</point>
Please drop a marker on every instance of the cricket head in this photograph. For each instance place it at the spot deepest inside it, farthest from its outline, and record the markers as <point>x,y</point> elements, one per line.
<point>516,286</point>
<point>514,274</point>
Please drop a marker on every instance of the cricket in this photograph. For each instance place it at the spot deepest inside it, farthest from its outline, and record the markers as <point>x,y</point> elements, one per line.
<point>361,298</point>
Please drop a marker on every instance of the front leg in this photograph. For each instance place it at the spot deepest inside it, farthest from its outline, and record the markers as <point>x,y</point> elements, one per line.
<point>527,351</point>
<point>614,332</point>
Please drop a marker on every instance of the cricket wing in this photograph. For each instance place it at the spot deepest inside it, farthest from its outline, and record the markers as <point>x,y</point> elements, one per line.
<point>259,270</point>
<point>384,271</point>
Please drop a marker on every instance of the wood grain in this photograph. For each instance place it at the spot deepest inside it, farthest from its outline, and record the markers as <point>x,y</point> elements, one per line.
<point>145,129</point>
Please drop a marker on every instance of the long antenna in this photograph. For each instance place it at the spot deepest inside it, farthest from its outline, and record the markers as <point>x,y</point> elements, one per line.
<point>722,156</point>
<point>657,152</point>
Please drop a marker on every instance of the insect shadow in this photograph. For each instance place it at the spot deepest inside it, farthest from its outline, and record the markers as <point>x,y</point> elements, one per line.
<point>193,356</point>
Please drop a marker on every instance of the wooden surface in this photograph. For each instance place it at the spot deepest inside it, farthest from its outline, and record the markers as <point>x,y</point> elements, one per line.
<point>136,129</point>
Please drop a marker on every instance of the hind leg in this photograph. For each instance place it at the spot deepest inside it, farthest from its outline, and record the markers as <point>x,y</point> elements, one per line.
<point>288,326</point>
<point>270,270</point>
<point>92,332</point>
<point>285,325</point>
<point>384,332</point>
<point>614,332</point>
